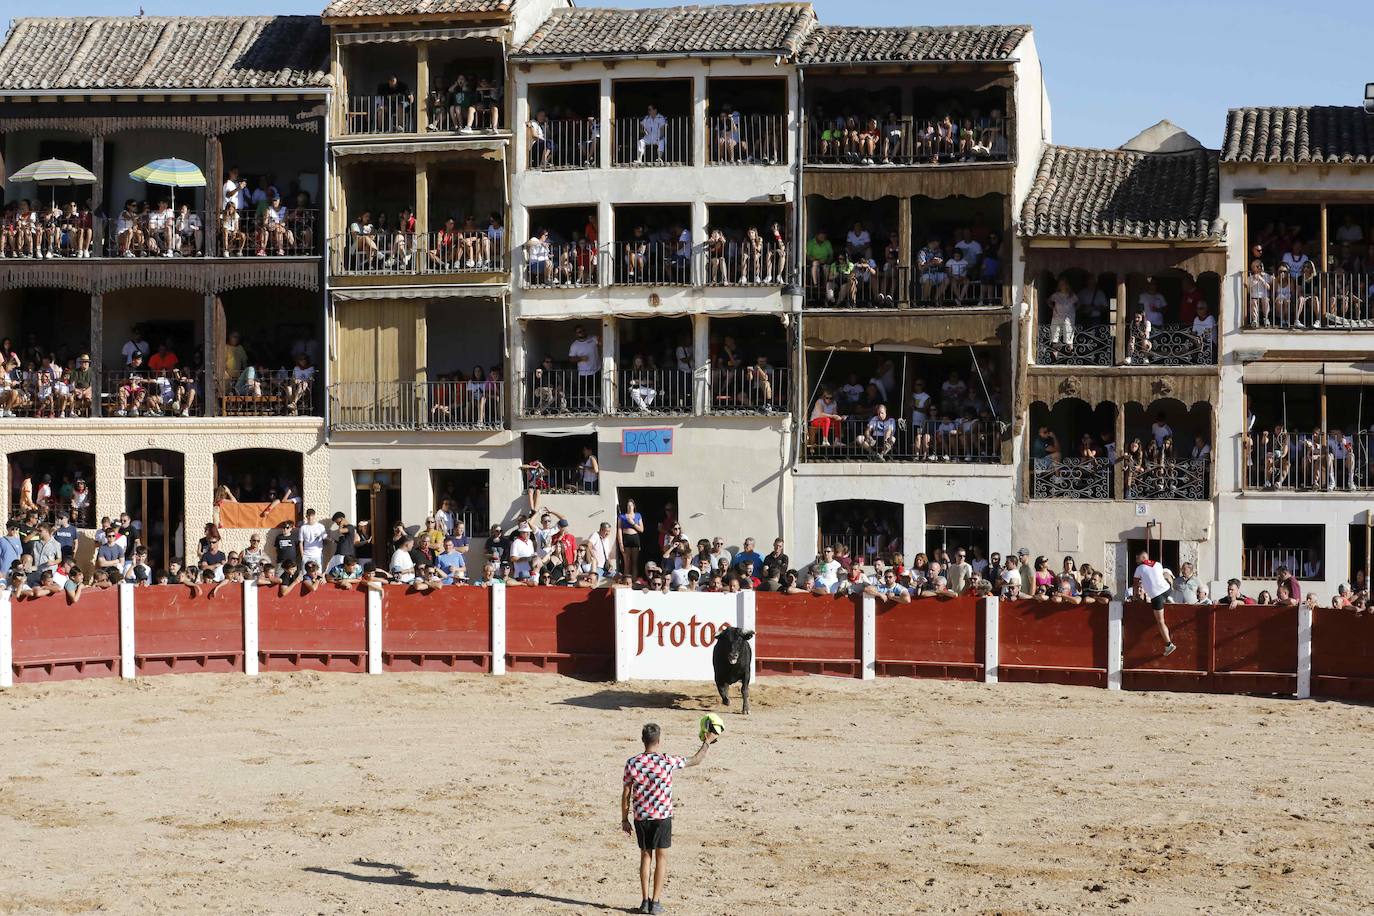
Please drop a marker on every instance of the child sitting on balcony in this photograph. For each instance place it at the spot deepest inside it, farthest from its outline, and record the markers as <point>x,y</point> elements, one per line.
<point>1138,340</point>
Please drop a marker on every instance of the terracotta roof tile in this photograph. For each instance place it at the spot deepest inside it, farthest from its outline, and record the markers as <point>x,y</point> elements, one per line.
<point>1322,134</point>
<point>756,29</point>
<point>1118,194</point>
<point>857,44</point>
<point>156,52</point>
<point>349,9</point>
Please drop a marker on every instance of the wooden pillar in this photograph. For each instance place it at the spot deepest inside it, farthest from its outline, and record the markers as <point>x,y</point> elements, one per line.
<point>421,196</point>
<point>1320,476</point>
<point>1118,478</point>
<point>421,86</point>
<point>98,196</point>
<point>905,246</point>
<point>214,168</point>
<point>97,346</point>
<point>213,348</point>
<point>1120,319</point>
<point>1323,264</point>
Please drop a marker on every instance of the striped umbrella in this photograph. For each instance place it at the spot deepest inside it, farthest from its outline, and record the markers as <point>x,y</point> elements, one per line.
<point>52,173</point>
<point>172,173</point>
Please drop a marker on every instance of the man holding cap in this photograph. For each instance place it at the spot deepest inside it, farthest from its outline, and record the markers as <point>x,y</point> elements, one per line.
<point>522,552</point>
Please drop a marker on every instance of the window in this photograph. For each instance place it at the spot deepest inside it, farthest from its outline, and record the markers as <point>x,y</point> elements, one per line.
<point>1265,548</point>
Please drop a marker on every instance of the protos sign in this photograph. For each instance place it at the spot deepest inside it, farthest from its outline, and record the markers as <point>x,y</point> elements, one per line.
<point>670,637</point>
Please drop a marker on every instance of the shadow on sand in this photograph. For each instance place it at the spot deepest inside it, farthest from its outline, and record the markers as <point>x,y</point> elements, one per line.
<point>631,699</point>
<point>387,873</point>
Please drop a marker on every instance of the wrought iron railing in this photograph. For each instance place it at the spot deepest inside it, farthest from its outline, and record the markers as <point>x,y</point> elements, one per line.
<point>152,393</point>
<point>278,392</point>
<point>747,139</point>
<point>564,265</point>
<point>642,141</point>
<point>1174,345</point>
<point>411,253</point>
<point>380,114</point>
<point>751,390</point>
<point>569,143</point>
<point>1335,300</point>
<point>1263,562</point>
<point>864,548</point>
<point>909,141</point>
<point>1072,478</point>
<point>1091,346</point>
<point>150,235</point>
<point>882,287</point>
<point>1186,479</point>
<point>645,263</point>
<point>743,262</point>
<point>451,405</point>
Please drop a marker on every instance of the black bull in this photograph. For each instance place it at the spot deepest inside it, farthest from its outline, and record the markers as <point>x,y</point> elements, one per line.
<point>733,659</point>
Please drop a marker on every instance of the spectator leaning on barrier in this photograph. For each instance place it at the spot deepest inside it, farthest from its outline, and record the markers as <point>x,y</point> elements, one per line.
<point>1185,586</point>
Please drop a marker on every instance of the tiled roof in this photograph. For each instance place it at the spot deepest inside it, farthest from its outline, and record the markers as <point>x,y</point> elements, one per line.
<point>747,29</point>
<point>1119,194</point>
<point>1321,134</point>
<point>349,9</point>
<point>157,52</point>
<point>857,44</point>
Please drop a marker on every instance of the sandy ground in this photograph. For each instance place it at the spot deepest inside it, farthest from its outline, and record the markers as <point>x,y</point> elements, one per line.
<point>431,793</point>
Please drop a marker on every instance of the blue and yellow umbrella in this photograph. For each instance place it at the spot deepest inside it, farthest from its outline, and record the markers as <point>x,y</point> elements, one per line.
<point>171,173</point>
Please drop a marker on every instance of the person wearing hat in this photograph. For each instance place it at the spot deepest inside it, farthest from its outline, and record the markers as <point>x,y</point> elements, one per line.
<point>1026,571</point>
<point>522,552</point>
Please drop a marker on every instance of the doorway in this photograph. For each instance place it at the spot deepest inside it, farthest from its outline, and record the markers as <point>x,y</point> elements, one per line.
<point>378,502</point>
<point>657,505</point>
<point>154,497</point>
<point>469,492</point>
<point>953,524</point>
<point>1165,552</point>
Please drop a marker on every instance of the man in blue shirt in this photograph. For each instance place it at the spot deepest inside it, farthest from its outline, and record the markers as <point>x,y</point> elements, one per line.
<point>889,589</point>
<point>65,534</point>
<point>451,564</point>
<point>11,546</point>
<point>752,555</point>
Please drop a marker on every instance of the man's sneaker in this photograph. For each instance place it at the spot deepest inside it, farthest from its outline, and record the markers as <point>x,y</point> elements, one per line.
<point>466,130</point>
<point>644,905</point>
<point>656,907</point>
<point>1169,649</point>
<point>122,413</point>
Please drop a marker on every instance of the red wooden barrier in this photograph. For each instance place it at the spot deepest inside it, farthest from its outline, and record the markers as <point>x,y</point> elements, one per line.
<point>176,633</point>
<point>1246,649</point>
<point>1342,654</point>
<point>1045,642</point>
<point>931,637</point>
<point>325,630</point>
<point>564,630</point>
<point>55,641</point>
<point>808,634</point>
<point>447,630</point>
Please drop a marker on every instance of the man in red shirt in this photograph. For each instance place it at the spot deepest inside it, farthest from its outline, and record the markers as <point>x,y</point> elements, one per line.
<point>649,790</point>
<point>164,360</point>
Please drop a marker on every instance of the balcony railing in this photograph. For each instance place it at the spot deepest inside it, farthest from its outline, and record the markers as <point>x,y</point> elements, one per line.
<point>645,263</point>
<point>379,114</point>
<point>896,285</point>
<point>864,548</point>
<point>1072,478</point>
<point>567,144</point>
<point>1332,301</point>
<point>406,253</point>
<point>276,393</point>
<point>153,235</point>
<point>658,391</point>
<point>963,441</point>
<point>1185,479</point>
<point>748,139</point>
<point>743,263</point>
<point>1091,346</point>
<point>293,235</point>
<point>668,142</point>
<point>149,393</point>
<point>1292,460</point>
<point>909,141</point>
<point>559,392</point>
<point>1264,562</point>
<point>563,481</point>
<point>748,391</point>
<point>1173,345</point>
<point>561,265</point>
<point>451,405</point>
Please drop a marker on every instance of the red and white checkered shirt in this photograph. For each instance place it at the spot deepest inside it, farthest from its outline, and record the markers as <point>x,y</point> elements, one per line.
<point>650,778</point>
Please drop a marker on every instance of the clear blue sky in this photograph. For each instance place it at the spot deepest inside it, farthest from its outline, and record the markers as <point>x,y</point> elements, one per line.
<point>1113,68</point>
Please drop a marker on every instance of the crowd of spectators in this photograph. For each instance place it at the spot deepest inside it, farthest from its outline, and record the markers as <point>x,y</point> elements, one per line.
<point>29,230</point>
<point>466,104</point>
<point>1160,448</point>
<point>1286,288</point>
<point>37,382</point>
<point>876,138</point>
<point>384,245</point>
<point>1071,310</point>
<point>965,268</point>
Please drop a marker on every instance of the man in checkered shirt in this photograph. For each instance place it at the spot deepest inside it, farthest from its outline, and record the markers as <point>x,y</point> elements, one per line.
<point>649,789</point>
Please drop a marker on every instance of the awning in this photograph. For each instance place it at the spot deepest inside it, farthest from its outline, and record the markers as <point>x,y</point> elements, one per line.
<point>410,36</point>
<point>1194,261</point>
<point>864,332</point>
<point>836,183</point>
<point>1278,373</point>
<point>373,293</point>
<point>486,147</point>
<point>1107,385</point>
<point>1356,373</point>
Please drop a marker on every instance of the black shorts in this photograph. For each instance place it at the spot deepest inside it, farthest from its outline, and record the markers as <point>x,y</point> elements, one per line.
<point>654,834</point>
<point>1158,601</point>
<point>631,541</point>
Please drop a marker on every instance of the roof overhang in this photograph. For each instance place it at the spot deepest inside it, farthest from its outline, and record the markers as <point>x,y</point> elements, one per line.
<point>407,36</point>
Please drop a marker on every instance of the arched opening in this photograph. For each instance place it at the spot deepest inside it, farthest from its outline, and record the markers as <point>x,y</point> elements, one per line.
<point>251,481</point>
<point>954,525</point>
<point>50,483</point>
<point>154,497</point>
<point>863,529</point>
<point>1068,447</point>
<point>1167,453</point>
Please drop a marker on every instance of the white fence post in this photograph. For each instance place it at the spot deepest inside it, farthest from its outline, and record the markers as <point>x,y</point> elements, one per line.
<point>127,668</point>
<point>1115,612</point>
<point>250,629</point>
<point>1304,690</point>
<point>869,638</point>
<point>991,620</point>
<point>6,642</point>
<point>374,632</point>
<point>748,615</point>
<point>498,628</point>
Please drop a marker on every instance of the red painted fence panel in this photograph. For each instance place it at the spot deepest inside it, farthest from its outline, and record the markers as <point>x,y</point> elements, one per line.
<point>446,630</point>
<point>931,637</point>
<point>55,641</point>
<point>560,629</point>
<point>1246,649</point>
<point>1342,654</point>
<point>176,632</point>
<point>808,634</point>
<point>325,630</point>
<point>1046,642</point>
